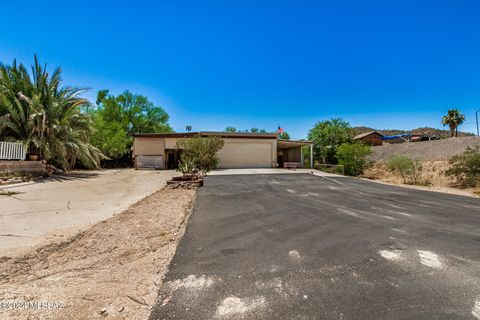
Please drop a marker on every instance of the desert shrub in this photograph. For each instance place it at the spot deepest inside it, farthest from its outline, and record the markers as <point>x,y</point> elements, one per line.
<point>187,165</point>
<point>466,167</point>
<point>353,156</point>
<point>306,163</point>
<point>199,154</point>
<point>406,167</point>
<point>417,172</point>
<point>400,164</point>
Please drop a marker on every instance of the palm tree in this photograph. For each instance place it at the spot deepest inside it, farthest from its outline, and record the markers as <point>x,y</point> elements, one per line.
<point>46,116</point>
<point>453,119</point>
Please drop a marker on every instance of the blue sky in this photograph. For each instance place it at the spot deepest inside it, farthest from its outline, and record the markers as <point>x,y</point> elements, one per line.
<point>212,64</point>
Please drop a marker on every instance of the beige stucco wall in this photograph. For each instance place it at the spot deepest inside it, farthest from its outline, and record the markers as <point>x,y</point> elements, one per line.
<point>148,146</point>
<point>236,153</point>
<point>248,153</point>
<point>171,143</point>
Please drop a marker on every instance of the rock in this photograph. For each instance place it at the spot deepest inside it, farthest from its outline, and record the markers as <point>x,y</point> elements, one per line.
<point>104,312</point>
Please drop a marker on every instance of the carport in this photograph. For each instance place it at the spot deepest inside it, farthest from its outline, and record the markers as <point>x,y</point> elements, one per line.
<point>292,151</point>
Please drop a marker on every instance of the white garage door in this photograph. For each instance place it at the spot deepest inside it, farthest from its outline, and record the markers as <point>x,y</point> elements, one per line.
<point>246,155</point>
<point>149,162</point>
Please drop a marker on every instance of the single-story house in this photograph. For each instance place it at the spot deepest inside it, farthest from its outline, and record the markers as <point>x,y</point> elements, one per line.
<point>371,138</point>
<point>240,150</point>
<point>399,138</point>
<point>420,138</point>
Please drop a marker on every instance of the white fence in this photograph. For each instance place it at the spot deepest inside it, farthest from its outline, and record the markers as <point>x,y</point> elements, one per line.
<point>12,151</point>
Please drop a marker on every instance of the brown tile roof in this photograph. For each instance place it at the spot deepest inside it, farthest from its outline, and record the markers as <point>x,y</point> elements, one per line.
<point>366,134</point>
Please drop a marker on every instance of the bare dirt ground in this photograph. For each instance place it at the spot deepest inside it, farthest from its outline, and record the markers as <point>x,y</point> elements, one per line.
<point>433,178</point>
<point>112,270</point>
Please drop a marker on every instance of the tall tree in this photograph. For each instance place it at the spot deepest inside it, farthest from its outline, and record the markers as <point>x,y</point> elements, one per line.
<point>117,118</point>
<point>47,117</point>
<point>230,129</point>
<point>327,136</point>
<point>453,119</point>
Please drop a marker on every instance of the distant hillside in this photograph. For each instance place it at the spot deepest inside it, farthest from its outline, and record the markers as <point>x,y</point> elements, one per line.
<point>421,131</point>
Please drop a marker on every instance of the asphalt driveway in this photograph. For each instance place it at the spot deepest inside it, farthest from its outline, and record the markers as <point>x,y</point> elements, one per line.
<point>309,247</point>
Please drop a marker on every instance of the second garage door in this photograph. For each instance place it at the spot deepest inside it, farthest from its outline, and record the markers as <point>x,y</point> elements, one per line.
<point>241,154</point>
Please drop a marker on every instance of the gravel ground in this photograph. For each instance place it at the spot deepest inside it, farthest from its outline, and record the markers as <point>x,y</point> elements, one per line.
<point>113,269</point>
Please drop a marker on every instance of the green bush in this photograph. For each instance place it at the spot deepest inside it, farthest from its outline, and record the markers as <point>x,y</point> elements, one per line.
<point>331,168</point>
<point>416,172</point>
<point>466,167</point>
<point>306,163</point>
<point>353,156</point>
<point>327,136</point>
<point>406,167</point>
<point>199,154</point>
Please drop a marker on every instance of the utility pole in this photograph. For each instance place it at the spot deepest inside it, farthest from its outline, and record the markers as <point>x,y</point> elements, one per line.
<point>476,118</point>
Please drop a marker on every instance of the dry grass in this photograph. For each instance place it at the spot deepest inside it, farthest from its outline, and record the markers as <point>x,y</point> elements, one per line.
<point>433,178</point>
<point>113,269</point>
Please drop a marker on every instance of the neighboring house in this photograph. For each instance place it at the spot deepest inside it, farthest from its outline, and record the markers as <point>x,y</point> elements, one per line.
<point>241,150</point>
<point>420,138</point>
<point>396,139</point>
<point>372,138</point>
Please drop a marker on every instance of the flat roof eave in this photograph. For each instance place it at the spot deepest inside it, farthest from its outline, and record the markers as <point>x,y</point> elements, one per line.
<point>247,135</point>
<point>293,143</point>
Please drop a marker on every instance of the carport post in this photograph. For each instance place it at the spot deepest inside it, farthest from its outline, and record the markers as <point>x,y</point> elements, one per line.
<point>302,161</point>
<point>311,156</point>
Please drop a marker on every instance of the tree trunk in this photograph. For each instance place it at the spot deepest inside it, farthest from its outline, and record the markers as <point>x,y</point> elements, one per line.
<point>452,130</point>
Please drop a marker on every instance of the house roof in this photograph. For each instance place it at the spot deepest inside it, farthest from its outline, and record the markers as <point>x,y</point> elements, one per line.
<point>248,135</point>
<point>398,136</point>
<point>285,144</point>
<point>366,134</point>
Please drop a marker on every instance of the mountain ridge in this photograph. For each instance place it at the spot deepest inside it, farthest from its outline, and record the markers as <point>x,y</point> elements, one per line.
<point>426,131</point>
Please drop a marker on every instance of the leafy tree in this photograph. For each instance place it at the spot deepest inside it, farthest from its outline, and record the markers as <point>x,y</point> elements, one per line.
<point>46,116</point>
<point>466,167</point>
<point>353,156</point>
<point>117,118</point>
<point>401,164</point>
<point>112,138</point>
<point>417,169</point>
<point>406,167</point>
<point>230,129</point>
<point>453,119</point>
<point>199,153</point>
<point>327,136</point>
